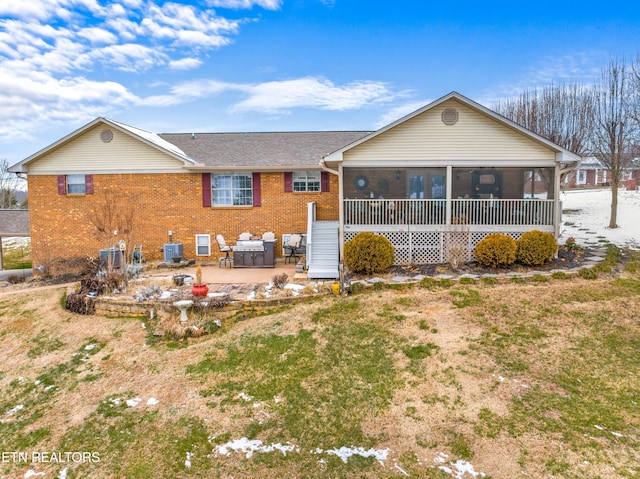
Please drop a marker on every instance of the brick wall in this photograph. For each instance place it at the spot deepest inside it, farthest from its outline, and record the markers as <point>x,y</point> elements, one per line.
<point>64,226</point>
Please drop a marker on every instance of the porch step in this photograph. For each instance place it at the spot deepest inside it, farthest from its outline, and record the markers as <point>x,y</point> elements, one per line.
<point>324,258</point>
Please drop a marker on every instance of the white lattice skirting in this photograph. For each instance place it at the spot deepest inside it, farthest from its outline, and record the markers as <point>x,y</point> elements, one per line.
<point>433,247</point>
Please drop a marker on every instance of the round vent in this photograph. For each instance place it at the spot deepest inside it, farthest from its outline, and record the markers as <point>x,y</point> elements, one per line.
<point>450,116</point>
<point>106,136</point>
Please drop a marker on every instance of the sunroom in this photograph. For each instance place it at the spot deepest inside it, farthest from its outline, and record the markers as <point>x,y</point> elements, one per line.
<point>446,176</point>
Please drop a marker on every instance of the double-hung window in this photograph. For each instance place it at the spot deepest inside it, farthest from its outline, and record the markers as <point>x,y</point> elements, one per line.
<point>203,245</point>
<point>305,181</point>
<point>75,184</point>
<point>232,189</point>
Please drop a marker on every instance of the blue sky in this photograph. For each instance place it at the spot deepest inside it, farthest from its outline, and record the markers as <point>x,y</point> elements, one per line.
<point>283,65</point>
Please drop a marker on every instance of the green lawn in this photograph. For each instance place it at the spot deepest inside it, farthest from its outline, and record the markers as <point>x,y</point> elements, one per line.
<point>538,379</point>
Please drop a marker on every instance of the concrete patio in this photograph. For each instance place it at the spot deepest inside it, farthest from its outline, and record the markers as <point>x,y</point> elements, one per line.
<point>212,274</point>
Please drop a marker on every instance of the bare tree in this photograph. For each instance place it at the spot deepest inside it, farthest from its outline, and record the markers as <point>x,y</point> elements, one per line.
<point>561,113</point>
<point>114,222</point>
<point>9,184</point>
<point>615,134</point>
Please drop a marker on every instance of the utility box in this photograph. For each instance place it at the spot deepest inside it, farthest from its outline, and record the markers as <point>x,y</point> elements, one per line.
<point>113,255</point>
<point>172,250</point>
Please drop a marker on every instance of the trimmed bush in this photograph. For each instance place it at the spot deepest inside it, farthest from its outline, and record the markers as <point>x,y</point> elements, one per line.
<point>535,248</point>
<point>496,250</point>
<point>368,253</point>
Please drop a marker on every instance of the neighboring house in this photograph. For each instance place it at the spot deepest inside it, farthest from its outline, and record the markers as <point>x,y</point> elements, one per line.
<point>440,178</point>
<point>590,173</point>
<point>13,222</point>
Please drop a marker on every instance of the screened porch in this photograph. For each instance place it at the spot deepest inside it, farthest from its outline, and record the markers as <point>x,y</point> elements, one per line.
<point>426,214</point>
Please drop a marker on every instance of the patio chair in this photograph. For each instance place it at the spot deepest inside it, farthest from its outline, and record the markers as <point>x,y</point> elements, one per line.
<point>224,248</point>
<point>292,247</point>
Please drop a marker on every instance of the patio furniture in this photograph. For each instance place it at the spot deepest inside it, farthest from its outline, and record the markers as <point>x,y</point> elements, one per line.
<point>293,247</point>
<point>224,248</point>
<point>245,236</point>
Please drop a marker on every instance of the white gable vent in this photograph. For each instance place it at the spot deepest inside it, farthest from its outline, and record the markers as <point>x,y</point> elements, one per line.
<point>450,116</point>
<point>106,136</point>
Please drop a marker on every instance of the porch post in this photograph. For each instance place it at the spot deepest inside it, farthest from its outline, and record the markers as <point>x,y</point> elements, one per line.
<point>557,203</point>
<point>448,190</point>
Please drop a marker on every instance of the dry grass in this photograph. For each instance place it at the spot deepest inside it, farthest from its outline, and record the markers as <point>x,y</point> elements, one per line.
<point>517,379</point>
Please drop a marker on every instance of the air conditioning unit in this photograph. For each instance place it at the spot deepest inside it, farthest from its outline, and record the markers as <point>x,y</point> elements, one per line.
<point>114,255</point>
<point>172,250</point>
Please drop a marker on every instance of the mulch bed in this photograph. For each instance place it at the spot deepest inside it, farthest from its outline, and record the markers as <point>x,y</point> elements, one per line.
<point>567,259</point>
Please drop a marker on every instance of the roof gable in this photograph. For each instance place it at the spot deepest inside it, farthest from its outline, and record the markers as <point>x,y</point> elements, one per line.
<point>477,131</point>
<point>102,145</point>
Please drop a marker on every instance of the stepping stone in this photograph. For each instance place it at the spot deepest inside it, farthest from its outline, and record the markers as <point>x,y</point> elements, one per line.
<point>399,279</point>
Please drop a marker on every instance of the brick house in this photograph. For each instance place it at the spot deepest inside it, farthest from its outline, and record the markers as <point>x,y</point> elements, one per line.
<point>151,184</point>
<point>451,172</point>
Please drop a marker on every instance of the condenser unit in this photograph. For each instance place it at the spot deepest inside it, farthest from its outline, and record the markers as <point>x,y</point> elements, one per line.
<point>172,250</point>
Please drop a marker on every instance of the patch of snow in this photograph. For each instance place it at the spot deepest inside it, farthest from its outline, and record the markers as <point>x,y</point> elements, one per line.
<point>144,326</point>
<point>32,473</point>
<point>251,296</point>
<point>152,402</point>
<point>589,215</point>
<point>187,461</point>
<point>459,469</point>
<point>90,347</point>
<point>133,402</point>
<point>617,434</point>
<point>166,295</point>
<point>63,473</point>
<point>14,410</point>
<point>294,286</point>
<point>401,470</point>
<point>249,447</point>
<point>345,453</point>
<point>244,396</point>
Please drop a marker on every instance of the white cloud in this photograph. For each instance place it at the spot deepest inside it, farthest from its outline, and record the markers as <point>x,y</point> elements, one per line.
<point>246,4</point>
<point>185,64</point>
<point>130,57</point>
<point>41,99</point>
<point>281,96</point>
<point>310,92</point>
<point>98,35</point>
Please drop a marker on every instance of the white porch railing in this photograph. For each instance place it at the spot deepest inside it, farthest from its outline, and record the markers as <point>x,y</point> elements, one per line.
<point>494,212</point>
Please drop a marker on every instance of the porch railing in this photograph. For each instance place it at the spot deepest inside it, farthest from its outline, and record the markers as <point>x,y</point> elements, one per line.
<point>523,212</point>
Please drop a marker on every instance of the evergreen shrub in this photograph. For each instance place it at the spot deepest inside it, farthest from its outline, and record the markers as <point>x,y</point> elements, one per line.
<point>368,253</point>
<point>496,250</point>
<point>535,248</point>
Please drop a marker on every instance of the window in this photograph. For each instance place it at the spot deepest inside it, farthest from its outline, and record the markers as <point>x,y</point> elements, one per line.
<point>203,245</point>
<point>582,177</point>
<point>75,184</point>
<point>306,181</point>
<point>232,189</point>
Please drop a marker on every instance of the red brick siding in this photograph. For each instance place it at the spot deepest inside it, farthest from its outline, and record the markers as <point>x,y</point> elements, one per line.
<point>60,224</point>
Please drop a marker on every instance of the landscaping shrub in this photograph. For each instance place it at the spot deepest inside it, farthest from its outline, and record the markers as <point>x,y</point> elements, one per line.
<point>535,248</point>
<point>368,253</point>
<point>496,250</point>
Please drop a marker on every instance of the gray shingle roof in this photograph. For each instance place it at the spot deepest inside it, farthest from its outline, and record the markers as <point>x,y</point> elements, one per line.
<point>14,223</point>
<point>282,149</point>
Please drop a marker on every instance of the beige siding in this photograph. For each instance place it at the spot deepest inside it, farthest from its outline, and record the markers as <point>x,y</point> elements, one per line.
<point>425,137</point>
<point>88,153</point>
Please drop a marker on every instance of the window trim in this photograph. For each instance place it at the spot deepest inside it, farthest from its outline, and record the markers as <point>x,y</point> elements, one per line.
<point>306,173</point>
<point>252,188</point>
<point>208,245</point>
